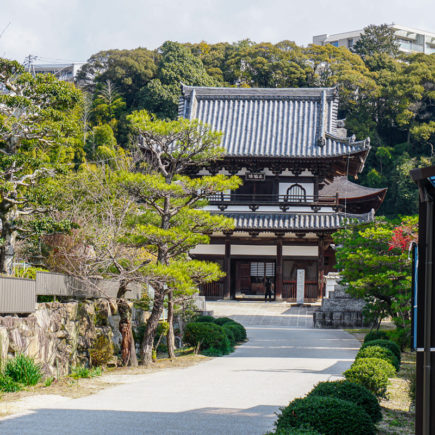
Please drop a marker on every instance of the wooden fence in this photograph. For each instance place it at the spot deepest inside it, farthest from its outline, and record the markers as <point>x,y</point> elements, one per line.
<point>19,295</point>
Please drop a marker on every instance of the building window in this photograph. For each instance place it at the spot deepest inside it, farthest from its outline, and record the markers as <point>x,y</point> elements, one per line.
<point>334,43</point>
<point>296,193</point>
<point>350,43</point>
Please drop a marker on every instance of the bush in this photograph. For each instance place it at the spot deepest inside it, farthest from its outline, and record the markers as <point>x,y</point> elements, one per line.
<point>102,351</point>
<point>371,373</point>
<point>354,393</point>
<point>379,352</point>
<point>229,333</point>
<point>305,429</point>
<point>8,385</point>
<point>222,320</point>
<point>400,336</point>
<point>376,335</point>
<point>239,331</point>
<point>207,336</point>
<point>83,372</point>
<point>328,415</point>
<point>384,343</point>
<point>22,369</point>
<point>206,319</point>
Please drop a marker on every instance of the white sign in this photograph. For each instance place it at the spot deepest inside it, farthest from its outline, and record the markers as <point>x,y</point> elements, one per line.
<point>300,286</point>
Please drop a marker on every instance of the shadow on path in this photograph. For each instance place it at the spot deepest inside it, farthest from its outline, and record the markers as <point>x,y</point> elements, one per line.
<point>256,420</point>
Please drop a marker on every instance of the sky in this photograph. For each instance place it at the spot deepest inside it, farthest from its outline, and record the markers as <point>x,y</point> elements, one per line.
<point>72,30</point>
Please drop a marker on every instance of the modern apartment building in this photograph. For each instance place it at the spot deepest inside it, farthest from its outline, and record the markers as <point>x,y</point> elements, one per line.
<point>66,72</point>
<point>410,40</point>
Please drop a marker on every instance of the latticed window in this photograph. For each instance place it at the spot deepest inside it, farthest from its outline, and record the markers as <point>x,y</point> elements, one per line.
<point>296,193</point>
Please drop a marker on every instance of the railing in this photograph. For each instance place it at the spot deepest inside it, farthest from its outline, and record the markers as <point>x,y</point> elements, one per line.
<point>253,201</point>
<point>212,290</point>
<point>311,290</point>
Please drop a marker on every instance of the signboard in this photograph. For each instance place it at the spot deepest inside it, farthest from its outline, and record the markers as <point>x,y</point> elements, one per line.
<point>255,176</point>
<point>300,286</point>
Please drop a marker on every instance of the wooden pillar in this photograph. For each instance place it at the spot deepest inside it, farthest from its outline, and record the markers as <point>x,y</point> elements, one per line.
<point>278,280</point>
<point>227,268</point>
<point>321,265</point>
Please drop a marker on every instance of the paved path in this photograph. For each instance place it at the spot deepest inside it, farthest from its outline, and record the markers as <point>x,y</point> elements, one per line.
<point>236,394</point>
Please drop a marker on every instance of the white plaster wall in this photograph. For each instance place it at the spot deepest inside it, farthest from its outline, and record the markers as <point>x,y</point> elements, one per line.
<point>300,251</point>
<point>253,250</point>
<point>209,250</point>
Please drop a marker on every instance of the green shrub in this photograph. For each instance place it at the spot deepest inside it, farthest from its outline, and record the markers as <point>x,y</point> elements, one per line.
<point>102,351</point>
<point>48,381</point>
<point>379,352</point>
<point>207,336</point>
<point>305,429</point>
<point>8,385</point>
<point>222,320</point>
<point>239,331</point>
<point>376,335</point>
<point>354,393</point>
<point>371,373</point>
<point>207,319</point>
<point>229,333</point>
<point>84,372</point>
<point>22,369</point>
<point>384,343</point>
<point>401,336</point>
<point>328,415</point>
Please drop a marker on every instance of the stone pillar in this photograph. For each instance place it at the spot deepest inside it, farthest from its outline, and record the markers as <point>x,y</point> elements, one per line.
<point>227,268</point>
<point>278,275</point>
<point>321,266</point>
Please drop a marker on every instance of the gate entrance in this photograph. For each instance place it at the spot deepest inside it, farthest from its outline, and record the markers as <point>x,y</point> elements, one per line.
<point>250,279</point>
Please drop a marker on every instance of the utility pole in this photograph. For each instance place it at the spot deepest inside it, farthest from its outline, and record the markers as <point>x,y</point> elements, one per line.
<point>28,63</point>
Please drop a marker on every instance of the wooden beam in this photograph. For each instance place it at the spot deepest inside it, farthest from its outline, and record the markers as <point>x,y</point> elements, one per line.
<point>278,280</point>
<point>227,268</point>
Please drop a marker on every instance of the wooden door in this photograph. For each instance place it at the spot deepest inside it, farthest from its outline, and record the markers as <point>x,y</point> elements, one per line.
<point>243,277</point>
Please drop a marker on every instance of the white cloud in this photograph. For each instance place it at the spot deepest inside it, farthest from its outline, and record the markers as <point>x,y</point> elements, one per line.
<point>75,29</point>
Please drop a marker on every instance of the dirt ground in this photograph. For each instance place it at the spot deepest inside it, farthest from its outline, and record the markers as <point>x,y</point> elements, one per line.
<point>41,396</point>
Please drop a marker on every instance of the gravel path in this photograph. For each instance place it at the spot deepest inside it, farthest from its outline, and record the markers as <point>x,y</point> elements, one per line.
<point>236,394</point>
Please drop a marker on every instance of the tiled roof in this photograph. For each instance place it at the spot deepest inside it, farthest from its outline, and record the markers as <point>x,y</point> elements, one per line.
<point>347,189</point>
<point>298,122</point>
<point>293,221</point>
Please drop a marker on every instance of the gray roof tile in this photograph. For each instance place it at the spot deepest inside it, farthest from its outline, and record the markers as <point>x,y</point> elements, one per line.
<point>293,221</point>
<point>298,122</point>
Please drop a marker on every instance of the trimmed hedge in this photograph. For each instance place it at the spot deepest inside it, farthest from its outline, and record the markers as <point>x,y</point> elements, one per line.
<point>376,335</point>
<point>238,330</point>
<point>371,373</point>
<point>328,415</point>
<point>222,320</point>
<point>208,336</point>
<point>379,352</point>
<point>229,333</point>
<point>207,319</point>
<point>384,343</point>
<point>352,392</point>
<point>302,430</point>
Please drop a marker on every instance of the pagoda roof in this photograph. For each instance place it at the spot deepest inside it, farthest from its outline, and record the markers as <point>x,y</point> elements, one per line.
<point>294,221</point>
<point>278,122</point>
<point>348,190</point>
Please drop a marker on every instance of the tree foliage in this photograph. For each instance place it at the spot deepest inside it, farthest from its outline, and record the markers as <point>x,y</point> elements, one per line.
<point>377,40</point>
<point>375,270</point>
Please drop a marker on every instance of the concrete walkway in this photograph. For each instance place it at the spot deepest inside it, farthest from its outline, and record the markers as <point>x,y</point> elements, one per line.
<point>236,394</point>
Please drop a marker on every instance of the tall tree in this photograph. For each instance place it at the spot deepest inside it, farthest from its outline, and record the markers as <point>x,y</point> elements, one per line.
<point>40,131</point>
<point>375,40</point>
<point>172,222</point>
<point>177,64</point>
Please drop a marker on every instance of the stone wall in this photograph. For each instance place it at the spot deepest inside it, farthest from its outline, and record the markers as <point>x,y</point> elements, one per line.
<point>58,335</point>
<point>339,310</point>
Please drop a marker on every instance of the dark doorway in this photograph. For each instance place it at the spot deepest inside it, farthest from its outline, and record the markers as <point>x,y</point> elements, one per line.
<point>250,277</point>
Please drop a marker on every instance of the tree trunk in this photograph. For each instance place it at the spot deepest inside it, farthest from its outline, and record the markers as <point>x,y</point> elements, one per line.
<point>170,336</point>
<point>146,352</point>
<point>125,330</point>
<point>7,250</point>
